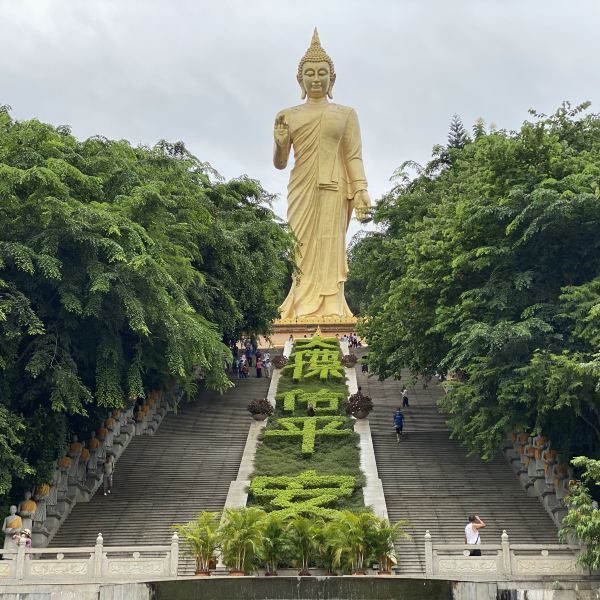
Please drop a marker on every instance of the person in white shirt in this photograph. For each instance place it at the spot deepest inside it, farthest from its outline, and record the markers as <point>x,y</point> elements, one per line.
<point>472,536</point>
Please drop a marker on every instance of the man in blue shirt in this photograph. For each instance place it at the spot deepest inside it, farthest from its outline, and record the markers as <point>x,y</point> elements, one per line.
<point>398,424</point>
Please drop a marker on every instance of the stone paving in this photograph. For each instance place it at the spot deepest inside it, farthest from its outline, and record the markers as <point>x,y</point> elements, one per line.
<point>429,480</point>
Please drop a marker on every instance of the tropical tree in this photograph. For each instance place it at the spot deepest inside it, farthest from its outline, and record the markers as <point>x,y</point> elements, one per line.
<point>326,549</point>
<point>487,268</point>
<point>583,518</point>
<point>122,269</point>
<point>275,544</point>
<point>382,540</point>
<point>302,534</point>
<point>240,537</point>
<point>200,539</point>
<point>354,533</point>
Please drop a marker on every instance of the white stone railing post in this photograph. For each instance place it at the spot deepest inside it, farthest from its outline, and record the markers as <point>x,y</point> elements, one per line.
<point>506,567</point>
<point>428,555</point>
<point>20,566</point>
<point>98,550</point>
<point>174,556</point>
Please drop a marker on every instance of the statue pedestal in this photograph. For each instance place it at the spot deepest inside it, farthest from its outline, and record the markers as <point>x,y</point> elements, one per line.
<point>329,326</point>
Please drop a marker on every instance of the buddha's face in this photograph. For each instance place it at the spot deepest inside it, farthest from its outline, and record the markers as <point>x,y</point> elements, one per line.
<point>316,79</point>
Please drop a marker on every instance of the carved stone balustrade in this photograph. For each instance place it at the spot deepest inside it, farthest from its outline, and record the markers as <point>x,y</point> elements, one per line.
<point>69,486</point>
<point>501,561</point>
<point>90,564</point>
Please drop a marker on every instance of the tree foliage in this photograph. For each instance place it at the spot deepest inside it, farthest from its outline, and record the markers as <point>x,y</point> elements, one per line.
<point>583,518</point>
<point>121,269</point>
<point>487,267</point>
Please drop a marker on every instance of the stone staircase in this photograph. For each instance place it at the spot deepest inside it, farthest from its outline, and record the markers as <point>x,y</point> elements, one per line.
<point>429,480</point>
<point>184,468</point>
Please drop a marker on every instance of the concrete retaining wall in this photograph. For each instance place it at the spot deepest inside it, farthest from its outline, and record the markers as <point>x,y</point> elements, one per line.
<point>94,591</point>
<point>307,588</point>
<point>304,588</point>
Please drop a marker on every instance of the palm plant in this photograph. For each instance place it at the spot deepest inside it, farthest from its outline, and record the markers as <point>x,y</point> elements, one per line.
<point>200,539</point>
<point>241,537</point>
<point>275,542</point>
<point>326,547</point>
<point>302,534</point>
<point>354,533</point>
<point>382,542</point>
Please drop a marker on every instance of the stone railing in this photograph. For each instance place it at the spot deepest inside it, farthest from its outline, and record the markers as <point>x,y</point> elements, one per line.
<point>79,482</point>
<point>541,471</point>
<point>93,564</point>
<point>500,561</point>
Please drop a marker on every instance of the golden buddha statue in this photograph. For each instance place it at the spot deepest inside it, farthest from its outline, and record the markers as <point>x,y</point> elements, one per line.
<point>326,184</point>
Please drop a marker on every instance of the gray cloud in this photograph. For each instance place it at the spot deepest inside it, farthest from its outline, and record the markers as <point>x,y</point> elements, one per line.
<point>215,73</point>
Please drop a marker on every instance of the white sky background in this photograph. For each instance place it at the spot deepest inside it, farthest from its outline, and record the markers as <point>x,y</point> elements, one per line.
<point>214,73</point>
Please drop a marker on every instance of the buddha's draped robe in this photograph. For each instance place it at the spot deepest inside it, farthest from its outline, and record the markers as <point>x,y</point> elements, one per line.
<point>328,171</point>
<point>15,522</point>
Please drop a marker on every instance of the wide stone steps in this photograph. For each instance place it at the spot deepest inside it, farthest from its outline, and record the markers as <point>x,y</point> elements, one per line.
<point>184,468</point>
<point>429,480</point>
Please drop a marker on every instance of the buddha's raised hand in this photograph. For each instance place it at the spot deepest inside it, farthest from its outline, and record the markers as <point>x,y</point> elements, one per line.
<point>282,131</point>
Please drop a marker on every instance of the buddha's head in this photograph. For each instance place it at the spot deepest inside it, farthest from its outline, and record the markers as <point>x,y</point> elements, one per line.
<point>316,73</point>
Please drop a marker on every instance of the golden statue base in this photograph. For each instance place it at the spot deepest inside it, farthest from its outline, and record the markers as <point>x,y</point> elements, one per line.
<point>308,325</point>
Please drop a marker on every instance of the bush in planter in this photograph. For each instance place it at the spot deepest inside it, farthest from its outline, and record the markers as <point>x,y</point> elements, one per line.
<point>200,539</point>
<point>327,556</point>
<point>349,360</point>
<point>353,535</point>
<point>302,533</point>
<point>359,404</point>
<point>275,542</point>
<point>240,537</point>
<point>279,361</point>
<point>382,541</point>
<point>260,406</point>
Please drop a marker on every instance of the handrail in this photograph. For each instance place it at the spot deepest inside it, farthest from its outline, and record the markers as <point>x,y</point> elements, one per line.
<point>509,560</point>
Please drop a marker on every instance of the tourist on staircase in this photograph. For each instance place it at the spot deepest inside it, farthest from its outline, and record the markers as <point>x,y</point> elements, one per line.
<point>404,393</point>
<point>109,469</point>
<point>472,536</point>
<point>398,424</point>
<point>267,365</point>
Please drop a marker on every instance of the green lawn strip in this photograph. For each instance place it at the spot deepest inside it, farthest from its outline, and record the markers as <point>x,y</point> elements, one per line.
<point>332,455</point>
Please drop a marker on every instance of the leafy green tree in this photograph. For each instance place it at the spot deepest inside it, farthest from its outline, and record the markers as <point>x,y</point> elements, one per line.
<point>457,136</point>
<point>121,269</point>
<point>488,270</point>
<point>200,539</point>
<point>303,536</point>
<point>241,538</point>
<point>275,544</point>
<point>583,518</point>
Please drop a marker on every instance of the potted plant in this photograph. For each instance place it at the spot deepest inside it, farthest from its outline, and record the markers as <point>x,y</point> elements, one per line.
<point>359,405</point>
<point>349,360</point>
<point>260,409</point>
<point>382,542</point>
<point>279,361</point>
<point>200,539</point>
<point>240,538</point>
<point>302,534</point>
<point>353,539</point>
<point>327,556</point>
<point>275,542</point>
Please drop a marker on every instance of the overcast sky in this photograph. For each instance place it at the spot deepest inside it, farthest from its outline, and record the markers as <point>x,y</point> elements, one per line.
<point>214,73</point>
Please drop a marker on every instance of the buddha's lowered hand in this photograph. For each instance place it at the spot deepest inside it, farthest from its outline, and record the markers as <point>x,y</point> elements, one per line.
<point>361,204</point>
